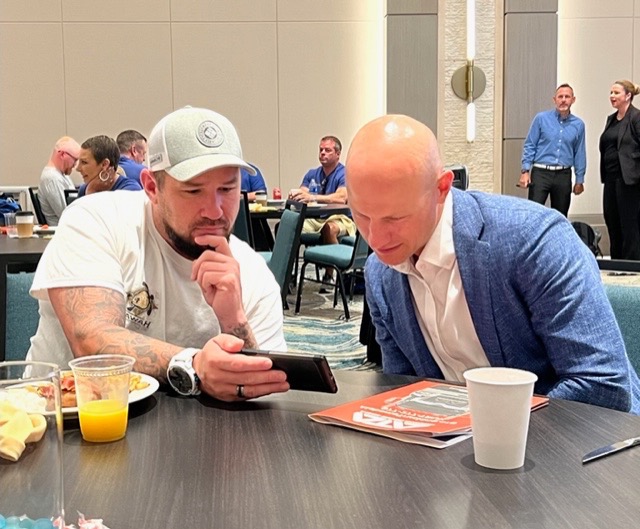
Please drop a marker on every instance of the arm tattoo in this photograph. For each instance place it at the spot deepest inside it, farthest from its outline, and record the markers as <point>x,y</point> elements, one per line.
<point>244,332</point>
<point>93,321</point>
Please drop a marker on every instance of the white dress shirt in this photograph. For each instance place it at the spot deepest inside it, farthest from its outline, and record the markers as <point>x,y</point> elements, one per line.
<point>438,298</point>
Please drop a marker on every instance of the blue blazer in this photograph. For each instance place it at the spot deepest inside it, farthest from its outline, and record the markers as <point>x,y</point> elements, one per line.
<point>535,297</point>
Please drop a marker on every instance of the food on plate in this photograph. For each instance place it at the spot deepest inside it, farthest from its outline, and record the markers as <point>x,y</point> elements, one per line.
<point>17,428</point>
<point>68,387</point>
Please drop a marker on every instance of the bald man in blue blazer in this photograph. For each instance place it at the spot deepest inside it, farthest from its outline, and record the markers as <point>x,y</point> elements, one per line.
<point>468,279</point>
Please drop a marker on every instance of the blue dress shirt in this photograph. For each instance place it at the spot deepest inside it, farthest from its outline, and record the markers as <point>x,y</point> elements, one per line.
<point>131,168</point>
<point>553,140</point>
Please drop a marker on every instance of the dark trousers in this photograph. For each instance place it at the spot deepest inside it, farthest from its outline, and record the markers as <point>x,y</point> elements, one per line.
<point>554,183</point>
<point>621,207</point>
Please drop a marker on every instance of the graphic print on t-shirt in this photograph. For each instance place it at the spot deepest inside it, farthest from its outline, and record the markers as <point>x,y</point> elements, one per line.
<point>140,303</point>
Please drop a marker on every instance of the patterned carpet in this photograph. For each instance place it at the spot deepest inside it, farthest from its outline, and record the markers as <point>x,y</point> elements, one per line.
<point>320,328</point>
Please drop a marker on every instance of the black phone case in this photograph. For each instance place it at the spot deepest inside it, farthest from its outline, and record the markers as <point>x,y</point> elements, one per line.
<point>304,372</point>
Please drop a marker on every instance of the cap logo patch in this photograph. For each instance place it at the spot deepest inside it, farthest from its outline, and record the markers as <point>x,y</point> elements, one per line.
<point>209,134</point>
<point>155,159</point>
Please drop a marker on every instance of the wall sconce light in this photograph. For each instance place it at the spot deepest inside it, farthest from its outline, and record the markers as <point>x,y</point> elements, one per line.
<point>469,82</point>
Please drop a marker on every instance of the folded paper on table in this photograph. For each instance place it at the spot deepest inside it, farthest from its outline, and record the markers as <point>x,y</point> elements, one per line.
<point>428,413</point>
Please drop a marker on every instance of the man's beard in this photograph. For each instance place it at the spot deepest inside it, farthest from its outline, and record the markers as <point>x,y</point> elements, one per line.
<point>185,247</point>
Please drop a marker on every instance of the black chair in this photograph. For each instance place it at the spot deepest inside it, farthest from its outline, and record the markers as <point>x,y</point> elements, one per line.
<point>242,227</point>
<point>70,195</point>
<point>344,259</point>
<point>35,200</point>
<point>460,176</point>
<point>285,249</point>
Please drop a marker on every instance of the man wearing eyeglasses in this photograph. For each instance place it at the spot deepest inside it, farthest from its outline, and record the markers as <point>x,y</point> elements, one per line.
<point>133,151</point>
<point>55,178</point>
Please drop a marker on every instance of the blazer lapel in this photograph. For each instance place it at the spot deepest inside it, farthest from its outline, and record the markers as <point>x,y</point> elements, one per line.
<point>473,256</point>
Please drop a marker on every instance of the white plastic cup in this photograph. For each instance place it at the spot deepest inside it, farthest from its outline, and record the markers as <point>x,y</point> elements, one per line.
<point>10,224</point>
<point>500,405</point>
<point>261,198</point>
<point>24,224</point>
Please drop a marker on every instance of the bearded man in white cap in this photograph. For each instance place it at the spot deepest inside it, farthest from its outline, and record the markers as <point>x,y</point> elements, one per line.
<point>158,275</point>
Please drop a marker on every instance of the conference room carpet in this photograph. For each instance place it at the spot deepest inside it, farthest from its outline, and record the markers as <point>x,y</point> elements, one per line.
<point>321,329</point>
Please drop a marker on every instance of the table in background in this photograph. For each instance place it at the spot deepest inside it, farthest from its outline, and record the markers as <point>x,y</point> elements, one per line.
<point>264,464</point>
<point>262,231</point>
<point>15,252</point>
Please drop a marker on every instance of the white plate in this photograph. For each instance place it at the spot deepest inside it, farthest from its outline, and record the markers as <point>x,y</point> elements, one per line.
<point>134,396</point>
<point>310,206</point>
<point>39,229</point>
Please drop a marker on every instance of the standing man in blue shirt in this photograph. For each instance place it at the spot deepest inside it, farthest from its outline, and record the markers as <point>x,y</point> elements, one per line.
<point>133,150</point>
<point>555,144</point>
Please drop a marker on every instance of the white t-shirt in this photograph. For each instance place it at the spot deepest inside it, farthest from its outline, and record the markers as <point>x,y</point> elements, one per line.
<point>109,240</point>
<point>51,193</point>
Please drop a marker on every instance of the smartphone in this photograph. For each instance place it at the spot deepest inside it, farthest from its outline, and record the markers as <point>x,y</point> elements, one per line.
<point>305,372</point>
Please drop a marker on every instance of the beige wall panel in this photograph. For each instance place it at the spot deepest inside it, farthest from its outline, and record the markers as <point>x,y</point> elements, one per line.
<point>223,10</point>
<point>530,69</point>
<point>323,10</point>
<point>112,85</point>
<point>635,76</point>
<point>115,10</point>
<point>30,10</point>
<point>412,7</point>
<point>511,157</point>
<point>32,105</point>
<point>231,68</point>
<point>327,86</point>
<point>412,67</point>
<point>595,8</point>
<point>636,10</point>
<point>585,61</point>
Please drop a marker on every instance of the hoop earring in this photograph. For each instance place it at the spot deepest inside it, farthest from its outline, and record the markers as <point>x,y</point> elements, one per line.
<point>105,177</point>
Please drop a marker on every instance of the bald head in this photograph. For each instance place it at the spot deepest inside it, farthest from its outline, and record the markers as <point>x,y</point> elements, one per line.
<point>396,186</point>
<point>393,142</point>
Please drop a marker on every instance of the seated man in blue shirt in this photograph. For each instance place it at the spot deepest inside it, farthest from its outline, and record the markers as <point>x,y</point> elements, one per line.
<point>464,279</point>
<point>252,183</point>
<point>555,144</point>
<point>331,189</point>
<point>133,150</point>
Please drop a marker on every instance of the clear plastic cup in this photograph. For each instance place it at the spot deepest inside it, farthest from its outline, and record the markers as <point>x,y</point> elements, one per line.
<point>24,224</point>
<point>10,224</point>
<point>31,464</point>
<point>102,392</point>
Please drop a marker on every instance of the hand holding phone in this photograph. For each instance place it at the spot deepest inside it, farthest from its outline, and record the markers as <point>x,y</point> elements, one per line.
<point>305,372</point>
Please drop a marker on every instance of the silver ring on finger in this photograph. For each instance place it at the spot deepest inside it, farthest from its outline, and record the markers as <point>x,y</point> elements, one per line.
<point>240,391</point>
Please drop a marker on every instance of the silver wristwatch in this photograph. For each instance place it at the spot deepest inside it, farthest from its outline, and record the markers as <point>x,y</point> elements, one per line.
<point>181,375</point>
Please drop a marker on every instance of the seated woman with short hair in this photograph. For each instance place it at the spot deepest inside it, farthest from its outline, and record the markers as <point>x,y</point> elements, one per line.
<point>98,165</point>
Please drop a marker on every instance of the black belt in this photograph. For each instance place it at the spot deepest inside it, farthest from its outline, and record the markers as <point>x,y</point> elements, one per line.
<point>551,167</point>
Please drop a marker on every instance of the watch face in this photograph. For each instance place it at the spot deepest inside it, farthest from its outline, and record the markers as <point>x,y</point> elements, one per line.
<point>180,380</point>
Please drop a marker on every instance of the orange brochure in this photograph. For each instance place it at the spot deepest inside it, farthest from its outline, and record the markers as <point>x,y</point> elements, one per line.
<point>428,413</point>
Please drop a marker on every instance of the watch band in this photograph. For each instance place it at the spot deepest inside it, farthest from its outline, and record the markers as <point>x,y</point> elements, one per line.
<point>182,363</point>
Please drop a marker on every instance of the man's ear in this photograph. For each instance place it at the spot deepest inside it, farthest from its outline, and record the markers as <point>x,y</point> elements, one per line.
<point>444,182</point>
<point>149,183</point>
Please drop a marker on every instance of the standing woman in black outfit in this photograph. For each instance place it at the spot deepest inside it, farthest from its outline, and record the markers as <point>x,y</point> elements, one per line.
<point>620,172</point>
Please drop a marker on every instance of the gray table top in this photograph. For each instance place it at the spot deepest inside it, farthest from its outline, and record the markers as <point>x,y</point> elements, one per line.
<point>264,464</point>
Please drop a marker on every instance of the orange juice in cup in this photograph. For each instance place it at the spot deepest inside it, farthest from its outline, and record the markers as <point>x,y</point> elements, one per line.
<point>102,421</point>
<point>102,392</point>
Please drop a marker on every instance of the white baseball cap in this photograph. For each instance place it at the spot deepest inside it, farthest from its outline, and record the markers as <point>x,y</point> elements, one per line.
<point>190,141</point>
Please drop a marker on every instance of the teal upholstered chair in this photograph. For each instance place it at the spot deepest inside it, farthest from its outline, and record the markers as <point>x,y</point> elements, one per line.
<point>625,301</point>
<point>242,227</point>
<point>285,248</point>
<point>22,315</point>
<point>344,259</point>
